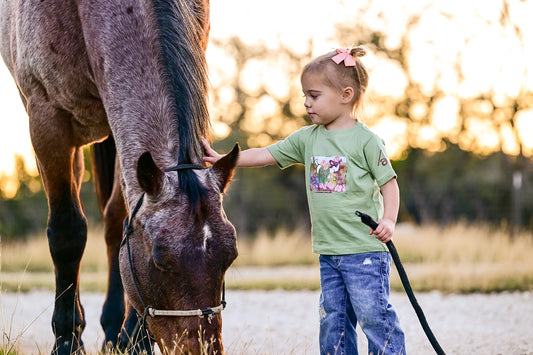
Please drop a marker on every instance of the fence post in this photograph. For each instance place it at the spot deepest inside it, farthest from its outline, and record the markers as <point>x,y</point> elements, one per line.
<point>517,203</point>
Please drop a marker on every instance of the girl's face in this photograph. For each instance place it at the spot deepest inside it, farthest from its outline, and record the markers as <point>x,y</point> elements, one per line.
<point>324,104</point>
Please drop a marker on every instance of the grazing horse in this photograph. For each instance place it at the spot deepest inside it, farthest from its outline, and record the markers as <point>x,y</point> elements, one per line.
<point>134,72</point>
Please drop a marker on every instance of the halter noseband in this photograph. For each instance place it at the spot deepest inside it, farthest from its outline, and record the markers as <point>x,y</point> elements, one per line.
<point>148,310</point>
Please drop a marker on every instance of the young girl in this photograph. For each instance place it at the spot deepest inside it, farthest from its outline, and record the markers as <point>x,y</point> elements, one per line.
<point>347,169</point>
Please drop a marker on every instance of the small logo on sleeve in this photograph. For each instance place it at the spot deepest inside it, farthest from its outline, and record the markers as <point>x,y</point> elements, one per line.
<point>382,159</point>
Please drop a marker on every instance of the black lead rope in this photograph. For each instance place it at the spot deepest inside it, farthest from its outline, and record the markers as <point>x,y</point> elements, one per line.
<point>128,230</point>
<point>366,219</point>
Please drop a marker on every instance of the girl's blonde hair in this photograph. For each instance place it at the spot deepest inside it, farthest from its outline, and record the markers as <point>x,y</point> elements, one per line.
<point>339,75</point>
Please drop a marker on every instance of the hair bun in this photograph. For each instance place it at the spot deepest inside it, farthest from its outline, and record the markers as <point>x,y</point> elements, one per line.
<point>358,51</point>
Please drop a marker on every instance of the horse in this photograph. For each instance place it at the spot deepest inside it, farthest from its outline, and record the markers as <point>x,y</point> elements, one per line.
<point>130,79</point>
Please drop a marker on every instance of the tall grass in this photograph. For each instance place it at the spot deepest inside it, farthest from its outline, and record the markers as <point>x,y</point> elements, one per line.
<point>464,258</point>
<point>458,258</point>
<point>281,249</point>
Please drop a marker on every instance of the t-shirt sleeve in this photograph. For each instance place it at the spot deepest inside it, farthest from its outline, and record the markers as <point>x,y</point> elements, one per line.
<point>289,151</point>
<point>377,160</point>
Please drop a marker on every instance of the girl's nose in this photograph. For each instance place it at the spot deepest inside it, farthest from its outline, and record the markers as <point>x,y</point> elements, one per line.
<point>306,103</point>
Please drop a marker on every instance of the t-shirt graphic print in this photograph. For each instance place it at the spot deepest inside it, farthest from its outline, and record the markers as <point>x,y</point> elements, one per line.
<point>327,174</point>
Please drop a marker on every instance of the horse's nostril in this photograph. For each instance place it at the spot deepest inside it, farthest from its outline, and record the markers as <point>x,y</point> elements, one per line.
<point>161,258</point>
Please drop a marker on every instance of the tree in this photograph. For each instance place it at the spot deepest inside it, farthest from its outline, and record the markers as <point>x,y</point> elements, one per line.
<point>444,105</point>
<point>25,210</point>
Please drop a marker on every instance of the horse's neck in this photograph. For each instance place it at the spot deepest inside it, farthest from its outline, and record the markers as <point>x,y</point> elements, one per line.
<point>127,69</point>
<point>143,125</point>
<point>134,84</point>
<point>132,139</point>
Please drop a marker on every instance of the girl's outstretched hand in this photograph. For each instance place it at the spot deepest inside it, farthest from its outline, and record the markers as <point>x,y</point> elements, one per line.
<point>212,156</point>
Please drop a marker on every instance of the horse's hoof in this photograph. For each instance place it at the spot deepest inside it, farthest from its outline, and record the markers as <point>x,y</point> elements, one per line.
<point>109,348</point>
<point>68,348</point>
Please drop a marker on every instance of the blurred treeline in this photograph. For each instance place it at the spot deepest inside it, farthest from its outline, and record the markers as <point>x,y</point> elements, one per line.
<point>459,147</point>
<point>449,186</point>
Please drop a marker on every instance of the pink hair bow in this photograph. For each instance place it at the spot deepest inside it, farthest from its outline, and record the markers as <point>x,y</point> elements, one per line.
<point>344,54</point>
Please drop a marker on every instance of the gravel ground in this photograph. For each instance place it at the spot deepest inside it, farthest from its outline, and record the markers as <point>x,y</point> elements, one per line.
<point>282,322</point>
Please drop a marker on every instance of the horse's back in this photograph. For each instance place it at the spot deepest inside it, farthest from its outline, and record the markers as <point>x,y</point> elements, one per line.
<point>43,46</point>
<point>5,32</point>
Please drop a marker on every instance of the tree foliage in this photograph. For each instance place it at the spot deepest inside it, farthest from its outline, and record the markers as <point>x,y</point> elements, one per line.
<point>455,184</point>
<point>443,118</point>
<point>26,210</point>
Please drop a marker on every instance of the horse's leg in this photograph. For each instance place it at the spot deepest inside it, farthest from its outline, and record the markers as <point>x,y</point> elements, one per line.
<point>107,181</point>
<point>113,310</point>
<point>124,335</point>
<point>61,168</point>
<point>135,337</point>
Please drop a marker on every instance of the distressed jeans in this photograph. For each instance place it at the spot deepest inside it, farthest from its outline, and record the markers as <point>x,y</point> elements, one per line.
<point>355,288</point>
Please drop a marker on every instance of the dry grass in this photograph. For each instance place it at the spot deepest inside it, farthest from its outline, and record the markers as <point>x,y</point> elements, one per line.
<point>459,258</point>
<point>461,243</point>
<point>283,248</point>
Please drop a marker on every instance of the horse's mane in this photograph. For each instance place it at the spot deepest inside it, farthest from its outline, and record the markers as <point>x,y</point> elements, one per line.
<point>186,73</point>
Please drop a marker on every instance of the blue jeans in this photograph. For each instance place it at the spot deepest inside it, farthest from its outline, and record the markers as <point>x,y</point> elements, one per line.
<point>355,288</point>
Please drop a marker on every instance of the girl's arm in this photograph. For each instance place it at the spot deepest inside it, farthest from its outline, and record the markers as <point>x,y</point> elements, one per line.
<point>248,158</point>
<point>391,204</point>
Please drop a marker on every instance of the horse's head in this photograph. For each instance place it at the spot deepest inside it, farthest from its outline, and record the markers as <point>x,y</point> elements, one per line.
<point>181,245</point>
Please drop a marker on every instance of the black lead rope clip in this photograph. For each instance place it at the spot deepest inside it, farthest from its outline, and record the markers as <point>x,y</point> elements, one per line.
<point>366,219</point>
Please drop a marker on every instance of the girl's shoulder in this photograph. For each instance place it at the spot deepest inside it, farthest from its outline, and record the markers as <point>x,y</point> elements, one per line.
<point>358,133</point>
<point>310,129</point>
<point>366,134</point>
<point>304,132</point>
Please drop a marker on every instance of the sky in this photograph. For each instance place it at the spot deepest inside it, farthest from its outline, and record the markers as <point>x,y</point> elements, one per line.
<point>294,22</point>
<point>251,20</point>
<point>14,136</point>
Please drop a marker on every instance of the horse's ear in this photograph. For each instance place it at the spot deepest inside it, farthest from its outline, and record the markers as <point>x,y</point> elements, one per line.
<point>225,166</point>
<point>149,176</point>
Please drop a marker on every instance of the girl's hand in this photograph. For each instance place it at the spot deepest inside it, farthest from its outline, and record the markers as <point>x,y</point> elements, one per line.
<point>212,156</point>
<point>384,231</point>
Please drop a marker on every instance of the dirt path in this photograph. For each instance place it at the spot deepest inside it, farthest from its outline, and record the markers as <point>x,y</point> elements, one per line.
<point>280,322</point>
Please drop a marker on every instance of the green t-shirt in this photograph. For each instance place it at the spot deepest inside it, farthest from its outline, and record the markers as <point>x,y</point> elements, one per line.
<point>343,172</point>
